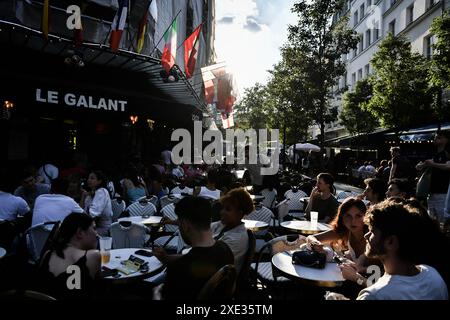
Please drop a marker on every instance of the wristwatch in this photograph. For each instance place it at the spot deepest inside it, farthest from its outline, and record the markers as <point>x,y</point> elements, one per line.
<point>360,281</point>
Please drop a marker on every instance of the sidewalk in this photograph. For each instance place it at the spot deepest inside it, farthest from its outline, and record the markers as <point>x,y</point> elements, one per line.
<point>346,187</point>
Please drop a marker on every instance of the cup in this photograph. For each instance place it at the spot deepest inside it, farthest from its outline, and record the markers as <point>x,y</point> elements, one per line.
<point>314,218</point>
<point>105,248</point>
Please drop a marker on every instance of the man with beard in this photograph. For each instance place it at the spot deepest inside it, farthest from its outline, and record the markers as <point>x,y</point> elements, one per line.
<point>393,238</point>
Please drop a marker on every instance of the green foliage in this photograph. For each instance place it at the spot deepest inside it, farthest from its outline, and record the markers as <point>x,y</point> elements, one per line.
<point>312,60</point>
<point>401,98</point>
<point>252,111</point>
<point>440,63</point>
<point>354,115</point>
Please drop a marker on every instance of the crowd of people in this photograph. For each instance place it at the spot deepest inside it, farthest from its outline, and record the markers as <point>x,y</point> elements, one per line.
<point>391,224</point>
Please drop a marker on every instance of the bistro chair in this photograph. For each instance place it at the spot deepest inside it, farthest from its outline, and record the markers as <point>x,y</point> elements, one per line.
<point>36,239</point>
<point>295,205</point>
<point>242,282</point>
<point>126,234</point>
<point>270,197</point>
<point>118,206</point>
<point>25,295</point>
<point>220,286</point>
<point>141,208</point>
<point>164,201</point>
<point>262,272</point>
<point>171,242</point>
<point>261,214</point>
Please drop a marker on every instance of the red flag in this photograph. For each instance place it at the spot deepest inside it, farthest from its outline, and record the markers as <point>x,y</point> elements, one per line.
<point>225,95</point>
<point>191,45</point>
<point>118,25</point>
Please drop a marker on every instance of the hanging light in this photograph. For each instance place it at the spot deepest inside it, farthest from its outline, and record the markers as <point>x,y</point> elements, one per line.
<point>133,119</point>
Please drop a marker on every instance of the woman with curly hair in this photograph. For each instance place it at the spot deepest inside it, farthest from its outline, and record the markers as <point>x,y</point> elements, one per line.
<point>237,203</point>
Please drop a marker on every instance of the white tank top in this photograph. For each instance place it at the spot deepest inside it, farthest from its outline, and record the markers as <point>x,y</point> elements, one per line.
<point>205,192</point>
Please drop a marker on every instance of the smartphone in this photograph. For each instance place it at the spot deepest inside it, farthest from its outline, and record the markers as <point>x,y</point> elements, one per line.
<point>136,259</point>
<point>144,253</point>
<point>107,272</point>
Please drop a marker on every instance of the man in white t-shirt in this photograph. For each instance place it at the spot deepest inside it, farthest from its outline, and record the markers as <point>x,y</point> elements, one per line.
<point>12,207</point>
<point>55,206</point>
<point>393,238</point>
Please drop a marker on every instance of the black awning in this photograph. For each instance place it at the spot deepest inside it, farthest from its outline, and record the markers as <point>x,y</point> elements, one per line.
<point>123,72</point>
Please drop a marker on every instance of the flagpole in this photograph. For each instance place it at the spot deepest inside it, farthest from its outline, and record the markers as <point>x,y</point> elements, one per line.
<point>170,25</point>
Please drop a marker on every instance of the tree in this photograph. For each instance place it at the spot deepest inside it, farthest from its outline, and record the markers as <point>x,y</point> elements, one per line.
<point>439,73</point>
<point>401,98</point>
<point>440,62</point>
<point>354,116</point>
<point>312,55</point>
<point>251,111</point>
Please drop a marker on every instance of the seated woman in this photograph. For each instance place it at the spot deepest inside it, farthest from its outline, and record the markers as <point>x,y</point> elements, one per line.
<point>75,245</point>
<point>322,200</point>
<point>133,186</point>
<point>230,229</point>
<point>347,233</point>
<point>97,202</point>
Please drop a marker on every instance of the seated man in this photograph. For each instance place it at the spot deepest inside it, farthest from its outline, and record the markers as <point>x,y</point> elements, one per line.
<point>392,238</point>
<point>187,274</point>
<point>30,190</point>
<point>55,206</point>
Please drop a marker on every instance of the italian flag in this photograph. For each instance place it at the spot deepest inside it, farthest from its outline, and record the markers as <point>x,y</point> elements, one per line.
<point>170,48</point>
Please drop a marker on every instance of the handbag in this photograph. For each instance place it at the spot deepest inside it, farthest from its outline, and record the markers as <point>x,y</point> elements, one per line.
<point>309,258</point>
<point>424,183</point>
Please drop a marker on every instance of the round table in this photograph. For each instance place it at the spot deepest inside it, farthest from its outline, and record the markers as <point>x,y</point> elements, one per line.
<point>117,255</point>
<point>2,252</point>
<point>305,227</point>
<point>255,225</point>
<point>152,221</point>
<point>329,277</point>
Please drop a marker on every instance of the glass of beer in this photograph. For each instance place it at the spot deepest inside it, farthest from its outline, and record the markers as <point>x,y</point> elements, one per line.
<point>105,248</point>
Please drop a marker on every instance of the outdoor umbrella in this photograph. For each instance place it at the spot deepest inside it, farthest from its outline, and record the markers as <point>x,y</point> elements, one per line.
<point>306,147</point>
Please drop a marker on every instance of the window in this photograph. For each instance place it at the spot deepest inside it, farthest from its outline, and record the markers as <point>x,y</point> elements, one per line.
<point>367,70</point>
<point>393,2</point>
<point>360,74</point>
<point>353,78</point>
<point>345,81</point>
<point>368,40</point>
<point>361,44</point>
<point>392,27</point>
<point>361,12</point>
<point>430,3</point>
<point>368,3</point>
<point>428,46</point>
<point>410,14</point>
<point>355,52</point>
<point>355,18</point>
<point>376,34</point>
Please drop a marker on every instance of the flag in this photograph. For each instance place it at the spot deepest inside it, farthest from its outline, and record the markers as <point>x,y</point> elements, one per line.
<point>141,32</point>
<point>170,48</point>
<point>227,120</point>
<point>118,25</point>
<point>45,18</point>
<point>191,45</point>
<point>143,24</point>
<point>225,93</point>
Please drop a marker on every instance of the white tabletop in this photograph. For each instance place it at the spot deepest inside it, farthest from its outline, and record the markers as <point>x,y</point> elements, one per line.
<point>304,199</point>
<point>330,276</point>
<point>305,226</point>
<point>257,197</point>
<point>150,221</point>
<point>255,225</point>
<point>118,255</point>
<point>2,252</point>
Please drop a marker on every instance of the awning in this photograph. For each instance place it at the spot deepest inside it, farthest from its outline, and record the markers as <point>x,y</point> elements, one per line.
<point>181,92</point>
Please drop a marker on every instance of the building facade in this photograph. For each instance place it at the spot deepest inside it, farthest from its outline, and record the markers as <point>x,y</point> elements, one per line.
<point>373,20</point>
